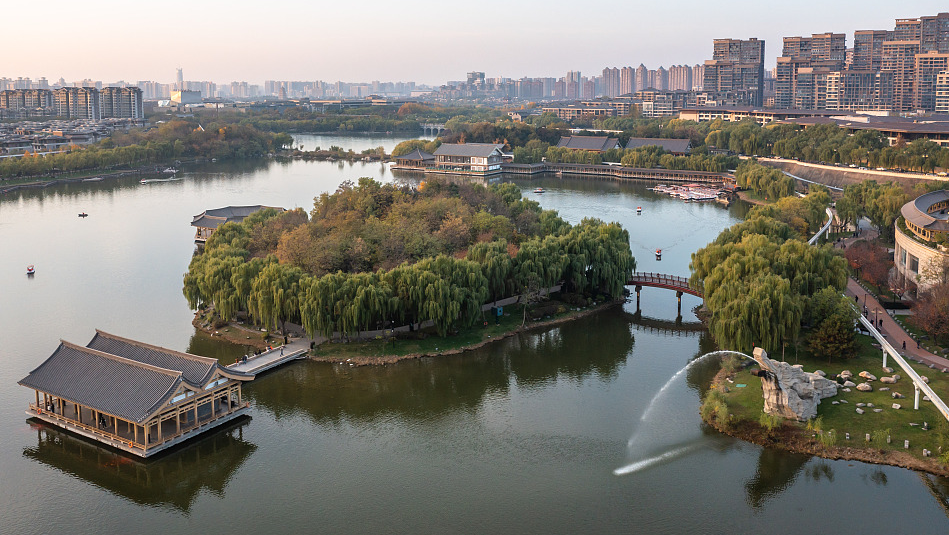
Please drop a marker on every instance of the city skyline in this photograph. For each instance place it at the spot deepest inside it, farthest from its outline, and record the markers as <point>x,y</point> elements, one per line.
<point>418,42</point>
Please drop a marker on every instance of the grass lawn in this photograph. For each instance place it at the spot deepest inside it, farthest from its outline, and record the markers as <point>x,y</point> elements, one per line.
<point>747,403</point>
<point>432,343</point>
<point>929,344</point>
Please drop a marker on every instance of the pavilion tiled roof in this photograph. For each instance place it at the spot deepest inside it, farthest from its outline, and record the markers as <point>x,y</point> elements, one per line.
<point>598,143</point>
<point>417,155</point>
<point>122,387</point>
<point>194,370</point>
<point>674,146</point>
<point>218,216</point>
<point>476,150</point>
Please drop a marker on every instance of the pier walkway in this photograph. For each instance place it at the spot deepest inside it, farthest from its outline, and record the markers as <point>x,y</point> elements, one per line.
<point>256,364</point>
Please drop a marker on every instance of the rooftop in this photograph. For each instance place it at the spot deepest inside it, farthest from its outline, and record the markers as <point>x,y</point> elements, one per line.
<point>122,377</point>
<point>675,146</point>
<point>476,150</point>
<point>917,211</point>
<point>597,143</point>
<point>229,214</point>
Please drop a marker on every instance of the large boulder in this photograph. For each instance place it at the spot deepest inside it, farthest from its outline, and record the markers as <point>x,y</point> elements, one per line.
<point>789,391</point>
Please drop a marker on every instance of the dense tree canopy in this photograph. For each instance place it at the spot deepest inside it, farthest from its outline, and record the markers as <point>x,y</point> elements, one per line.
<point>376,255</point>
<point>758,278</point>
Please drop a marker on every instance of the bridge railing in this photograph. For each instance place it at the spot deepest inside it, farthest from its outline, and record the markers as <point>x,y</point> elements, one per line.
<point>664,279</point>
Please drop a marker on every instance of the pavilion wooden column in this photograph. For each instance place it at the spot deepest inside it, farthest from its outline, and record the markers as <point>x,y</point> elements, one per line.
<point>178,420</point>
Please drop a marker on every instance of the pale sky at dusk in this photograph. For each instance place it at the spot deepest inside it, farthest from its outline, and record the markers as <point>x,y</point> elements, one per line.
<point>420,40</point>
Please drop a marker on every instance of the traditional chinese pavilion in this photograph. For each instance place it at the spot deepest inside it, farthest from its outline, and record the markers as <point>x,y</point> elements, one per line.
<point>136,397</point>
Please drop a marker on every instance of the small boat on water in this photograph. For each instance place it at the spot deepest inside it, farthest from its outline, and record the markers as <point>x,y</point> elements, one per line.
<point>93,179</point>
<point>30,270</point>
<point>538,190</point>
<point>170,170</point>
<point>658,254</point>
<point>83,214</point>
<point>639,210</point>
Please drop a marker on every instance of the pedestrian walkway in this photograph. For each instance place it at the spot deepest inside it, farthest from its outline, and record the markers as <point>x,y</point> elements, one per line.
<point>271,358</point>
<point>894,333</point>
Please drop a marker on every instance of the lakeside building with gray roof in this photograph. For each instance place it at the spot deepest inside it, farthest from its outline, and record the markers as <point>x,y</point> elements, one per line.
<point>136,397</point>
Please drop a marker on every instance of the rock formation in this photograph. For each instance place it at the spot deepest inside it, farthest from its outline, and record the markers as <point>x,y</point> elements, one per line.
<point>789,391</point>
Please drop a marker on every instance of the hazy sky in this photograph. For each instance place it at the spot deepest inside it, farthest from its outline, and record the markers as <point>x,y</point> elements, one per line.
<point>420,40</point>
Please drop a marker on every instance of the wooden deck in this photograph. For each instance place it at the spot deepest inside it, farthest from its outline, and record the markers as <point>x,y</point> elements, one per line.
<point>124,439</point>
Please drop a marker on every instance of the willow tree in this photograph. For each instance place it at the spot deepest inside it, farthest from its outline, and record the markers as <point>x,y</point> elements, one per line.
<point>275,295</point>
<point>496,266</point>
<point>763,311</point>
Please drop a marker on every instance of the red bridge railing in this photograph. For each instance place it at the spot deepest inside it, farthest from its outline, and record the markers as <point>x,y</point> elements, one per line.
<point>661,280</point>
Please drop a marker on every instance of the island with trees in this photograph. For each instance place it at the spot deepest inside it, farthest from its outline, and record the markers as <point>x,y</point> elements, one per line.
<point>373,257</point>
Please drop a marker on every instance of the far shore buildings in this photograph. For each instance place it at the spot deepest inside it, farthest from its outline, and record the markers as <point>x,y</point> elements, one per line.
<point>73,103</point>
<point>918,256</point>
<point>136,397</point>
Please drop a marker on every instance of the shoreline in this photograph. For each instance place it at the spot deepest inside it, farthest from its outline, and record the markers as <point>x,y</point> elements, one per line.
<point>790,438</point>
<point>391,359</point>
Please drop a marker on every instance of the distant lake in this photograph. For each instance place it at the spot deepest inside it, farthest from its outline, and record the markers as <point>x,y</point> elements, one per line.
<point>554,431</point>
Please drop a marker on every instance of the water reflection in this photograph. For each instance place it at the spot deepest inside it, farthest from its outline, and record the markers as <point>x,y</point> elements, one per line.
<point>174,479</point>
<point>421,388</point>
<point>939,488</point>
<point>776,471</point>
<point>675,327</point>
<point>203,344</point>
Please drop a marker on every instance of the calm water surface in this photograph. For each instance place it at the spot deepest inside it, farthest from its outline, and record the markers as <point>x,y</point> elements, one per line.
<point>525,436</point>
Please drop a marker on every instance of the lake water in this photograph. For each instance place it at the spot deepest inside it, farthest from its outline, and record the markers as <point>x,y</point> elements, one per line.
<point>540,433</point>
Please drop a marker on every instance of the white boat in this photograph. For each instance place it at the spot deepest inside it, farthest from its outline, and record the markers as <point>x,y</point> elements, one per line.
<point>538,190</point>
<point>30,269</point>
<point>170,170</point>
<point>93,179</point>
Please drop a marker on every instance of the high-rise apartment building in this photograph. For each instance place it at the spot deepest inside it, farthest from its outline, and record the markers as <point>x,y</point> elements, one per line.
<point>121,103</point>
<point>934,33</point>
<point>737,66</point>
<point>77,103</point>
<point>899,59</point>
<point>928,68</point>
<point>627,79</point>
<point>642,78</point>
<point>680,78</point>
<point>611,82</point>
<point>802,70</point>
<point>662,79</point>
<point>859,90</point>
<point>698,77</point>
<point>942,92</point>
<point>868,49</point>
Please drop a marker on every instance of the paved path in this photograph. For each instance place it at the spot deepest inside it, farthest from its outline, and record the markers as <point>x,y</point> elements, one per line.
<point>898,338</point>
<point>892,330</point>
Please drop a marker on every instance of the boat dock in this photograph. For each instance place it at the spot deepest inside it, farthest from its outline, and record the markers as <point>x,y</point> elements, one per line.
<point>270,359</point>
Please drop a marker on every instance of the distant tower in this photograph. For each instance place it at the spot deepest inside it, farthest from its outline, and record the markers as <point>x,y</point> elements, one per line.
<point>180,85</point>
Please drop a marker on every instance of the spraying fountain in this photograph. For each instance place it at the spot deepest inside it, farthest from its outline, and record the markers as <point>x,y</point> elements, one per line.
<point>789,392</point>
